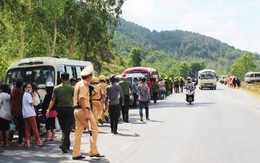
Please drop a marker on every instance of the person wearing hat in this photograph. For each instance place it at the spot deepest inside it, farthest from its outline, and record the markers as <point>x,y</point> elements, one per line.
<point>103,85</point>
<point>97,100</point>
<point>182,83</point>
<point>63,96</point>
<point>176,85</point>
<point>50,120</point>
<point>83,114</point>
<point>112,102</point>
<point>126,86</point>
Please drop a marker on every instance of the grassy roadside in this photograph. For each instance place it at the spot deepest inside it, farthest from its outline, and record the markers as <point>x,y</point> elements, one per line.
<point>253,88</point>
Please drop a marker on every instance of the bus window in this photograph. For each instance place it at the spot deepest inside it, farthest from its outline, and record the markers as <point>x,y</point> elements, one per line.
<point>155,76</point>
<point>78,70</point>
<point>29,75</point>
<point>69,70</point>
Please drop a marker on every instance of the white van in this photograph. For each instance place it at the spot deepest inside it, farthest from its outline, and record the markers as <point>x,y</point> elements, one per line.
<point>251,77</point>
<point>207,79</point>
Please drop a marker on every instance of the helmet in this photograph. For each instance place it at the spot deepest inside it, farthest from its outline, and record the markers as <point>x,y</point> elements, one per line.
<point>112,78</point>
<point>95,80</point>
<point>189,78</point>
<point>124,75</point>
<point>102,77</point>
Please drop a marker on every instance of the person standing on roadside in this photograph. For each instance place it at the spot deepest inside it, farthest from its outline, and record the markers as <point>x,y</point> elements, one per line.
<point>114,92</point>
<point>83,113</point>
<point>30,99</point>
<point>16,103</point>
<point>135,92</point>
<point>162,89</point>
<point>63,95</point>
<point>126,88</point>
<point>5,114</point>
<point>50,121</point>
<point>144,99</point>
<point>103,85</point>
<point>154,90</point>
<point>97,99</point>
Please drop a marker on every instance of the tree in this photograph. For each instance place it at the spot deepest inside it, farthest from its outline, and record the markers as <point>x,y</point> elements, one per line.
<point>196,66</point>
<point>184,70</point>
<point>242,66</point>
<point>135,57</point>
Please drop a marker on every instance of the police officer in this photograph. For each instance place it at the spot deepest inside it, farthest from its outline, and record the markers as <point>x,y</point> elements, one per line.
<point>97,100</point>
<point>103,85</point>
<point>83,114</point>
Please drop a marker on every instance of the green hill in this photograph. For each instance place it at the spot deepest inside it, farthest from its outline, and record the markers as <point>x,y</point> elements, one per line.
<point>177,46</point>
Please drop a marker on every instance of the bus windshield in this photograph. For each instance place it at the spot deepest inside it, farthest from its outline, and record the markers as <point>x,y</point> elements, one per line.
<point>208,75</point>
<point>39,75</point>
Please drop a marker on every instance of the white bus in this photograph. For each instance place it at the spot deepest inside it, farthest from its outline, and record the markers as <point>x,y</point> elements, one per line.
<point>251,77</point>
<point>40,70</point>
<point>207,79</point>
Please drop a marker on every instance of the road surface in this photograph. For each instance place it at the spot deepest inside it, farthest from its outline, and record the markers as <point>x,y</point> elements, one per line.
<point>221,126</point>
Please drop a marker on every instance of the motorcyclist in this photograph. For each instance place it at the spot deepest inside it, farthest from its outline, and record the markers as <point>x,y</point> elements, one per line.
<point>189,85</point>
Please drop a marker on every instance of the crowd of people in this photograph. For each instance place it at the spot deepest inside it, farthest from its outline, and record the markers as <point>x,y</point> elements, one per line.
<point>231,81</point>
<point>77,104</point>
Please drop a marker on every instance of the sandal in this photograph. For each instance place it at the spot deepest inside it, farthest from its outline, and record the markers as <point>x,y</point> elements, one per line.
<point>39,144</point>
<point>46,140</point>
<point>27,145</point>
<point>21,145</point>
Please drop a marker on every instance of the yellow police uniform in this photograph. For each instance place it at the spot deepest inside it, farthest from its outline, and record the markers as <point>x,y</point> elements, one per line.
<point>82,91</point>
<point>103,86</point>
<point>97,103</point>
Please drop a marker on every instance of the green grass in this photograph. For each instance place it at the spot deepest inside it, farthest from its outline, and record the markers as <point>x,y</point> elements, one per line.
<point>253,88</point>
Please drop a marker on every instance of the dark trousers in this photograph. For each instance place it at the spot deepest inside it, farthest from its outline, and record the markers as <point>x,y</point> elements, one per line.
<point>142,105</point>
<point>21,129</point>
<point>135,99</point>
<point>155,97</point>
<point>125,108</point>
<point>65,117</point>
<point>114,113</point>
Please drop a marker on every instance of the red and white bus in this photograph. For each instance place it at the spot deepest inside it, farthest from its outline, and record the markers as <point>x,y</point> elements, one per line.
<point>149,73</point>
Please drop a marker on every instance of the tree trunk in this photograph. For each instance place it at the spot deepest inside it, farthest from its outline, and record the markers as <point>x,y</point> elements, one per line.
<point>22,40</point>
<point>71,51</point>
<point>22,34</point>
<point>54,37</point>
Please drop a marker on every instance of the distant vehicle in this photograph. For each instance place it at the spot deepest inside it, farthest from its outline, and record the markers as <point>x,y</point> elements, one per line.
<point>207,79</point>
<point>149,73</point>
<point>251,77</point>
<point>223,79</point>
<point>130,78</point>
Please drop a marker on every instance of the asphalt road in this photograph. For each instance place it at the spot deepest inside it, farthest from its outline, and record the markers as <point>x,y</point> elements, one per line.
<point>221,126</point>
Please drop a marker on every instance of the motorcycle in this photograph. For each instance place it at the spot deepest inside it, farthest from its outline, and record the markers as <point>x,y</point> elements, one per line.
<point>190,94</point>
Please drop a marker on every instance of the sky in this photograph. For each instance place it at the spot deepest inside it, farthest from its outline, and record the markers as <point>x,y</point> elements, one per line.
<point>235,22</point>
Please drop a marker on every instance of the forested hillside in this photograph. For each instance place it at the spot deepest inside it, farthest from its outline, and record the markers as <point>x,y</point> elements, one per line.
<point>165,50</point>
<point>90,30</point>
